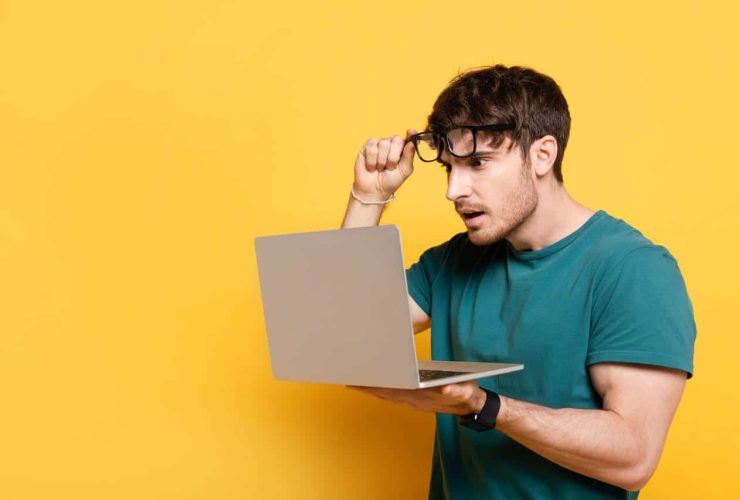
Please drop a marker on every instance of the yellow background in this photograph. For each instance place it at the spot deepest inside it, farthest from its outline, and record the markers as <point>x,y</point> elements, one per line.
<point>143,146</point>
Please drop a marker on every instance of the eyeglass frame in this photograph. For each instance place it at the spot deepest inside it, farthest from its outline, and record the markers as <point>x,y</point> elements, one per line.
<point>445,137</point>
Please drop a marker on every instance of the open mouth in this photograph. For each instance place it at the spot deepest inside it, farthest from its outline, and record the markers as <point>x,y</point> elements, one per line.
<point>471,215</point>
<point>472,218</point>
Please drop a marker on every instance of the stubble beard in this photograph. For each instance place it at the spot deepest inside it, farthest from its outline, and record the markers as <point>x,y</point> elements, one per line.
<point>517,208</point>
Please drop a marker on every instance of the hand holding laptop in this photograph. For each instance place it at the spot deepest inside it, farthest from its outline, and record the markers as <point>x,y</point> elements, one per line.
<point>462,398</point>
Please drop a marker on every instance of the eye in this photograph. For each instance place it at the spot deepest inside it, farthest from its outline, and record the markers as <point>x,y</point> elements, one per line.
<point>478,162</point>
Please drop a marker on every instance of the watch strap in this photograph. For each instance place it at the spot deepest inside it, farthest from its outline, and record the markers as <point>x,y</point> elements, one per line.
<point>485,419</point>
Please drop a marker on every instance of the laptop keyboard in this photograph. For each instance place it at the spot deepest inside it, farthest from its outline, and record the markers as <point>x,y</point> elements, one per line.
<point>426,375</point>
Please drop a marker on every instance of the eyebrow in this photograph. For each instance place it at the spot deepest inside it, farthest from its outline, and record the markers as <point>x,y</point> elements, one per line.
<point>475,155</point>
<point>484,153</point>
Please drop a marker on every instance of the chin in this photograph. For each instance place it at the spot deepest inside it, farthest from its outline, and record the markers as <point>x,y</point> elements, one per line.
<point>485,236</point>
<point>501,227</point>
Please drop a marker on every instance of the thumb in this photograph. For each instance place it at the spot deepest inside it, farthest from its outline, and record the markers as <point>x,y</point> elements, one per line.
<point>408,148</point>
<point>409,133</point>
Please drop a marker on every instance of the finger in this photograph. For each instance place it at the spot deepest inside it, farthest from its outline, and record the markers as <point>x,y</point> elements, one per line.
<point>407,156</point>
<point>373,391</point>
<point>406,164</point>
<point>365,389</point>
<point>384,146</point>
<point>394,154</point>
<point>360,160</point>
<point>450,390</point>
<point>371,154</point>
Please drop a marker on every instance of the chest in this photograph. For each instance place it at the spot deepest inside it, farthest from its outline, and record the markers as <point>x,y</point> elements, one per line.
<point>536,316</point>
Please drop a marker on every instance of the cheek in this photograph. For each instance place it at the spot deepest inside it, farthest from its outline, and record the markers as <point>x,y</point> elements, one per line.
<point>501,183</point>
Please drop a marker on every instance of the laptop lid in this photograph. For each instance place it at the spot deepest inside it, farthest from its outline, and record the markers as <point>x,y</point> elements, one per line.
<point>336,307</point>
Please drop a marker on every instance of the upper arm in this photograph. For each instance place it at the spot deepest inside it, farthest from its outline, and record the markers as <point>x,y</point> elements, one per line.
<point>645,397</point>
<point>642,313</point>
<point>419,318</point>
<point>421,279</point>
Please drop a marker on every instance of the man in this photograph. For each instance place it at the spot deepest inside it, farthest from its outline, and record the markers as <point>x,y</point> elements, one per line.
<point>597,313</point>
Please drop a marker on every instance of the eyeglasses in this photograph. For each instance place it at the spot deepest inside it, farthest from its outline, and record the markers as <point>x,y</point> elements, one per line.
<point>460,141</point>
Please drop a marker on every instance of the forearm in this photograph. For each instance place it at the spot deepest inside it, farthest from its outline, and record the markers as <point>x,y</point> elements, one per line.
<point>359,215</point>
<point>596,443</point>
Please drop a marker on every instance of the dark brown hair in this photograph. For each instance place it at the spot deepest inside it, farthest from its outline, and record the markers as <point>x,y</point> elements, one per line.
<point>533,102</point>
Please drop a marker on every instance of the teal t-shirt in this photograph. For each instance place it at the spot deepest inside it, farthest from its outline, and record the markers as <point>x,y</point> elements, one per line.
<point>604,293</point>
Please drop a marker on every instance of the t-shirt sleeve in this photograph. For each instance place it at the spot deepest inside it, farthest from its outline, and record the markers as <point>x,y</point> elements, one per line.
<point>421,275</point>
<point>642,313</point>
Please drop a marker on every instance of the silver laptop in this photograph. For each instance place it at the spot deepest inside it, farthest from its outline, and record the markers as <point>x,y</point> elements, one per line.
<point>336,311</point>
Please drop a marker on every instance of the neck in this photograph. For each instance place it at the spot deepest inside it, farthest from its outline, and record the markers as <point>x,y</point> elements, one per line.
<point>556,216</point>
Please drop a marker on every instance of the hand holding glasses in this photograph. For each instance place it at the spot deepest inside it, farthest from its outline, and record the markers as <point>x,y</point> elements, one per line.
<point>384,164</point>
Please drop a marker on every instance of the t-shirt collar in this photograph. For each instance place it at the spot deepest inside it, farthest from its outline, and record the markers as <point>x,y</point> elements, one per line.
<point>558,245</point>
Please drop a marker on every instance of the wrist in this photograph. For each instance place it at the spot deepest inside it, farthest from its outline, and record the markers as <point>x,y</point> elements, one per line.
<point>370,197</point>
<point>504,412</point>
<point>477,401</point>
<point>485,418</point>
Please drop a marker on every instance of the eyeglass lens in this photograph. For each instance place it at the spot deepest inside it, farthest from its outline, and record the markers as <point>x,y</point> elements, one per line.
<point>427,146</point>
<point>459,141</point>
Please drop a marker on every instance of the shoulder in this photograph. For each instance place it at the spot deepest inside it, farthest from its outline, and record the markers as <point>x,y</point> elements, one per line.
<point>617,244</point>
<point>630,268</point>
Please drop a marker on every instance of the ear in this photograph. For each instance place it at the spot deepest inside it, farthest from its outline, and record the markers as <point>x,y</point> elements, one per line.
<point>542,154</point>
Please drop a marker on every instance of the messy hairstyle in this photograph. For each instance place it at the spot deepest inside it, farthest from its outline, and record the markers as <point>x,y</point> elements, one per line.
<point>533,102</point>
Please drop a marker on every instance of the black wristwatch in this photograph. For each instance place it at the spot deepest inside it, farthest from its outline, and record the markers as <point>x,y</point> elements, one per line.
<point>485,420</point>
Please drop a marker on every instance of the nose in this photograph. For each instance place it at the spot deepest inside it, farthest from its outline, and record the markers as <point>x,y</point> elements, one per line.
<point>458,184</point>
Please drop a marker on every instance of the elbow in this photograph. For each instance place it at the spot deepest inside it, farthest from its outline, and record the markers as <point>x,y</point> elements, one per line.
<point>634,484</point>
<point>634,478</point>
<point>637,466</point>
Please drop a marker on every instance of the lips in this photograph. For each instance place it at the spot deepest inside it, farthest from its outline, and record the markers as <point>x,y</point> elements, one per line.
<point>468,211</point>
<point>470,216</point>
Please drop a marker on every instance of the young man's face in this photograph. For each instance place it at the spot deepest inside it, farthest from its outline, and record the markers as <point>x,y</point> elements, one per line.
<point>493,190</point>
